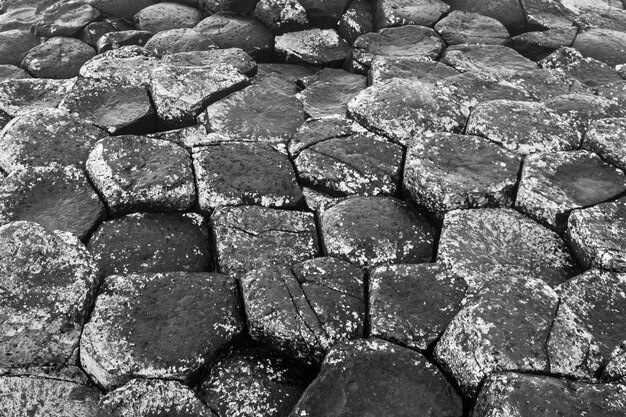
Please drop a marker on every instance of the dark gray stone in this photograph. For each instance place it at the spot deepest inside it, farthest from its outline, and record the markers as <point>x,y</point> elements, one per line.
<point>165,16</point>
<point>606,138</point>
<point>356,21</point>
<point>232,56</point>
<point>21,96</point>
<point>282,15</point>
<point>115,40</point>
<point>460,27</point>
<point>57,58</point>
<point>179,40</point>
<point>408,12</point>
<point>312,46</point>
<point>330,94</point>
<point>64,18</point>
<point>591,72</point>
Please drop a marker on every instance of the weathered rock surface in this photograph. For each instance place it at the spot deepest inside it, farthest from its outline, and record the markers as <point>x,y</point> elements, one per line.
<point>57,58</point>
<point>214,6</point>
<point>130,64</point>
<point>509,12</point>
<point>371,231</point>
<point>408,12</point>
<point>249,237</point>
<point>58,198</point>
<point>495,244</point>
<point>584,109</point>
<point>48,283</point>
<point>323,13</point>
<point>312,46</point>
<point>543,84</point>
<point>115,40</point>
<point>232,56</point>
<point>179,40</point>
<point>139,329</point>
<point>446,171</point>
<point>328,92</point>
<point>11,72</point>
<point>356,21</point>
<point>384,68</point>
<point>606,138</point>
<point>64,18</point>
<point>588,71</point>
<point>615,370</point>
<point>282,16</point>
<point>374,376</point>
<point>95,30</point>
<point>460,27</point>
<point>605,45</point>
<point>21,96</point>
<point>494,60</point>
<point>153,242</point>
<point>15,44</point>
<point>164,16</point>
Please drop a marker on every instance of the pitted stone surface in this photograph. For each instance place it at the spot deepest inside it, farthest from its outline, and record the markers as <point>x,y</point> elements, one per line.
<point>495,60</point>
<point>408,12</point>
<point>136,173</point>
<point>606,138</point>
<point>312,46</point>
<point>152,242</point>
<point>371,231</point>
<point>584,109</point>
<point>356,21</point>
<point>384,68</point>
<point>64,18</point>
<point>250,237</point>
<point>282,15</point>
<point>446,171</point>
<point>460,27</point>
<point>159,326</point>
<point>543,84</point>
<point>589,71</point>
<point>58,198</point>
<point>57,58</point>
<point>130,64</point>
<point>615,370</point>
<point>20,96</point>
<point>482,245</point>
<point>48,282</point>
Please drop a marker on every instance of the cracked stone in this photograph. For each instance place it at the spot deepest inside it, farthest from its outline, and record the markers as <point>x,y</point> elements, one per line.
<point>20,96</point>
<point>460,27</point>
<point>313,47</point>
<point>331,92</point>
<point>57,58</point>
<point>483,245</point>
<point>15,44</point>
<point>606,138</point>
<point>372,231</point>
<point>153,242</point>
<point>48,283</point>
<point>58,198</point>
<point>163,326</point>
<point>553,184</point>
<point>178,40</point>
<point>219,57</point>
<point>64,18</point>
<point>408,12</point>
<point>494,60</point>
<point>412,305</point>
<point>589,71</point>
<point>115,40</point>
<point>129,64</point>
<point>605,45</point>
<point>281,16</point>
<point>377,377</point>
<point>305,310</point>
<point>384,68</point>
<point>165,16</point>
<point>446,171</point>
<point>249,237</point>
<point>356,21</point>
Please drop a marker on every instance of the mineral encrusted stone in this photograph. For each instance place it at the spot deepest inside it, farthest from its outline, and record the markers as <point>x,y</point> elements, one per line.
<point>152,242</point>
<point>356,21</point>
<point>589,71</point>
<point>552,184</point>
<point>412,304</point>
<point>130,64</point>
<point>543,84</point>
<point>48,282</point>
<point>605,45</point>
<point>64,18</point>
<point>460,27</point>
<point>446,171</point>
<point>482,245</point>
<point>58,198</point>
<point>159,326</point>
<point>371,231</point>
<point>312,46</point>
<point>164,16</point>
<point>231,56</point>
<point>249,237</point>
<point>179,40</point>
<point>606,138</point>
<point>57,58</point>
<point>615,369</point>
<point>115,40</point>
<point>281,15</point>
<point>304,310</point>
<point>584,109</point>
<point>244,173</point>
<point>384,68</point>
<point>20,96</point>
<point>15,44</point>
<point>377,377</point>
<point>136,173</point>
<point>408,12</point>
<point>494,60</point>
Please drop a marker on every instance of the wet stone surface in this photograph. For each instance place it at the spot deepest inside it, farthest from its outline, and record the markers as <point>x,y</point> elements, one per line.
<point>460,27</point>
<point>384,68</point>
<point>20,96</point>
<point>231,56</point>
<point>312,46</point>
<point>57,58</point>
<point>330,94</point>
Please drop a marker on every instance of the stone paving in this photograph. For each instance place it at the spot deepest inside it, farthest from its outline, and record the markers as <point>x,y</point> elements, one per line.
<point>310,208</point>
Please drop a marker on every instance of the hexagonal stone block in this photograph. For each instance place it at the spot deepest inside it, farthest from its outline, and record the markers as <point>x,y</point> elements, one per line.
<point>408,12</point>
<point>48,283</point>
<point>460,27</point>
<point>312,46</point>
<point>597,235</point>
<point>374,376</point>
<point>57,58</point>
<point>244,173</point>
<point>494,244</point>
<point>136,173</point>
<point>231,56</point>
<point>21,96</point>
<point>57,198</point>
<point>413,304</point>
<point>495,60</point>
<point>504,327</point>
<point>253,382</point>
<point>146,397</point>
<point>584,109</point>
<point>371,231</point>
<point>130,64</point>
<point>543,84</point>
<point>606,138</point>
<point>45,137</point>
<point>159,326</point>
<point>523,127</point>
<point>553,184</point>
<point>589,71</point>
<point>250,237</point>
<point>152,242</point>
<point>305,310</point>
<point>446,171</point>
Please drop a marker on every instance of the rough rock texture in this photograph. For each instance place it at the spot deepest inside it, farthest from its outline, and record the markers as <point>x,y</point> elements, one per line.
<point>130,64</point>
<point>494,244</point>
<point>584,109</point>
<point>152,242</point>
<point>596,235</point>
<point>408,12</point>
<point>605,45</point>
<point>305,310</point>
<point>15,44</point>
<point>10,72</point>
<point>282,15</point>
<point>606,138</point>
<point>21,96</point>
<point>471,88</point>
<point>460,27</point>
<point>495,60</point>
<point>213,6</point>
<point>232,56</point>
<point>324,13</point>
<point>543,84</point>
<point>139,330</point>
<point>115,40</point>
<point>48,282</point>
<point>615,370</point>
<point>44,137</point>
<point>539,44</point>
<point>356,21</point>
<point>330,96</point>
<point>253,382</point>
<point>179,40</point>
<point>371,231</point>
<point>446,171</point>
<point>413,304</point>
<point>57,58</point>
<point>165,16</point>
<point>509,12</point>
<point>384,68</point>
<point>249,237</point>
<point>377,377</point>
<point>588,71</point>
<point>93,31</point>
<point>552,184</point>
<point>136,173</point>
<point>58,198</point>
<point>64,18</point>
<point>312,46</point>
<point>244,173</point>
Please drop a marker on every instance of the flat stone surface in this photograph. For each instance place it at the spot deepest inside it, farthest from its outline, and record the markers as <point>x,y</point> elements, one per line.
<point>115,40</point>
<point>323,13</point>
<point>244,173</point>
<point>330,95</point>
<point>494,60</point>
<point>412,304</point>
<point>93,31</point>
<point>482,245</point>
<point>127,337</point>
<point>305,310</point>
<point>179,40</point>
<point>58,198</point>
<point>584,109</point>
<point>446,171</point>
<point>371,231</point>
<point>509,12</point>
<point>543,84</point>
<point>460,27</point>
<point>596,235</point>
<point>152,242</point>
<point>231,56</point>
<point>606,138</point>
<point>523,127</point>
<point>64,18</point>
<point>48,283</point>
<point>253,382</point>
<point>130,64</point>
<point>15,44</point>
<point>384,68</point>
<point>605,45</point>
<point>11,72</point>
<point>539,44</point>
<point>312,46</point>
<point>44,137</point>
<point>164,16</point>
<point>282,16</point>
<point>250,237</point>
<point>591,72</point>
<point>136,173</point>
<point>374,376</point>
<point>408,12</point>
<point>356,21</point>
<point>20,96</point>
<point>553,184</point>
<point>57,58</point>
